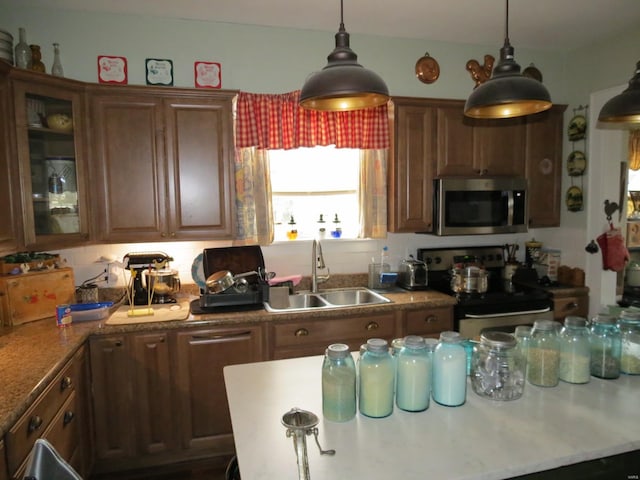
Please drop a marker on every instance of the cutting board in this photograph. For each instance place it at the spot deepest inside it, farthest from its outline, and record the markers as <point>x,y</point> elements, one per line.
<point>161,313</point>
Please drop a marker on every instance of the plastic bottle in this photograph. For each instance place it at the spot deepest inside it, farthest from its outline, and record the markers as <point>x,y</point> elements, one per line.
<point>413,383</point>
<point>376,380</point>
<point>575,351</point>
<point>338,384</point>
<point>449,385</point>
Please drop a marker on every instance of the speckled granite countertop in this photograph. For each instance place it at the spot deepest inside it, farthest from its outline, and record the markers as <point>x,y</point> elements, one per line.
<point>32,354</point>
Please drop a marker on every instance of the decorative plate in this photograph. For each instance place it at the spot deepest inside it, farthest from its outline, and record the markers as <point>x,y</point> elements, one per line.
<point>576,163</point>
<point>574,199</point>
<point>577,128</point>
<point>427,69</point>
<point>197,272</point>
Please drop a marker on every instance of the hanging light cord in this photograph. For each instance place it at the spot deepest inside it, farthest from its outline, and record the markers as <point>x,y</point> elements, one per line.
<point>506,25</point>
<point>341,16</point>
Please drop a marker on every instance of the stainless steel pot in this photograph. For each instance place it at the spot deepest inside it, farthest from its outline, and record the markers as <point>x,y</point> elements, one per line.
<point>469,279</point>
<point>221,281</point>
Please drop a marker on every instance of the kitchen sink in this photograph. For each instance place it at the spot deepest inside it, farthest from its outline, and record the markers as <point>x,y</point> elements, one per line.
<point>325,299</point>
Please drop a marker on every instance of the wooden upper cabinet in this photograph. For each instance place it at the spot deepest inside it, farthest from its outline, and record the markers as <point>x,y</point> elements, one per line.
<point>472,147</point>
<point>410,173</point>
<point>163,161</point>
<point>544,166</point>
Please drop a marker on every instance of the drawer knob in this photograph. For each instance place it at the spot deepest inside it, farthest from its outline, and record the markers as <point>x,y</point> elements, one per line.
<point>431,319</point>
<point>68,417</point>
<point>301,332</point>
<point>35,423</point>
<point>572,306</point>
<point>65,383</point>
<point>372,326</point>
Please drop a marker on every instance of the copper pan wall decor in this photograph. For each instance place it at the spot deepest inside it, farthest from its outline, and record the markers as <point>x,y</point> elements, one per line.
<point>427,69</point>
<point>480,73</point>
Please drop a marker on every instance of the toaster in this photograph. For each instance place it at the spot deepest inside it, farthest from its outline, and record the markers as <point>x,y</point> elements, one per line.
<point>412,274</point>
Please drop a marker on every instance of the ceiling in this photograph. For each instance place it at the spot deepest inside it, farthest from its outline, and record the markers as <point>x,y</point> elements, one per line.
<point>537,24</point>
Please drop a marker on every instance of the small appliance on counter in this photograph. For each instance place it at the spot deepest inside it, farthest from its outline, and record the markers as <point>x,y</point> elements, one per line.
<point>152,281</point>
<point>412,274</point>
<point>235,277</point>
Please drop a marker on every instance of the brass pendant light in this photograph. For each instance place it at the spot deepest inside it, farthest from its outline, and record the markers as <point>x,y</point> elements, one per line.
<point>507,93</point>
<point>624,107</point>
<point>343,84</point>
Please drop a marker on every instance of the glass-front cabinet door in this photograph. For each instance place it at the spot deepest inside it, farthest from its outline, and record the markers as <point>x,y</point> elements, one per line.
<point>49,124</point>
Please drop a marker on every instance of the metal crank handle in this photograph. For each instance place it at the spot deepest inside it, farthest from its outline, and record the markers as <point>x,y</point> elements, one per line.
<point>322,452</point>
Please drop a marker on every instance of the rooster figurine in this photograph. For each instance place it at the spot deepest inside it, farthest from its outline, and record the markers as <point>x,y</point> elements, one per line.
<point>481,73</point>
<point>610,208</point>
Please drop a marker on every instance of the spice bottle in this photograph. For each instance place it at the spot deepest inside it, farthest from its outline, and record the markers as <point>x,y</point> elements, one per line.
<point>338,384</point>
<point>497,367</point>
<point>292,233</point>
<point>449,370</point>
<point>543,355</point>
<point>606,344</point>
<point>629,325</point>
<point>575,351</point>
<point>413,384</point>
<point>376,380</point>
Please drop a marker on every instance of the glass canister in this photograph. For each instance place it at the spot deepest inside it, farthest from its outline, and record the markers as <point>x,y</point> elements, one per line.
<point>338,384</point>
<point>449,384</point>
<point>629,325</point>
<point>575,351</point>
<point>497,367</point>
<point>376,380</point>
<point>413,377</point>
<point>606,345</point>
<point>543,357</point>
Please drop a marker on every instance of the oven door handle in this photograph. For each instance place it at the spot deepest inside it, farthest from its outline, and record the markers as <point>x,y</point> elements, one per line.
<point>508,314</point>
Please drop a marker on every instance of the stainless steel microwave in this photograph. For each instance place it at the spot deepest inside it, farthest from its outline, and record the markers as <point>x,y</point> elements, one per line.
<point>476,206</point>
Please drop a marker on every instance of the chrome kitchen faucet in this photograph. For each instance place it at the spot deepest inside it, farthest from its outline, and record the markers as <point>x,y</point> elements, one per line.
<point>317,262</point>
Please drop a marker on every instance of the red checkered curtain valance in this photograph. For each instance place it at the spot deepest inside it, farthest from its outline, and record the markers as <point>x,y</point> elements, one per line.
<point>276,121</point>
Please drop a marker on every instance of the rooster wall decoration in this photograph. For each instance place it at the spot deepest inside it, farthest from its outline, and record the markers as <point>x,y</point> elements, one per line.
<point>480,73</point>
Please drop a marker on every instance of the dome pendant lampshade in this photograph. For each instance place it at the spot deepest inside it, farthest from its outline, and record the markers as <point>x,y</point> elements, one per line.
<point>507,93</point>
<point>343,84</point>
<point>625,107</point>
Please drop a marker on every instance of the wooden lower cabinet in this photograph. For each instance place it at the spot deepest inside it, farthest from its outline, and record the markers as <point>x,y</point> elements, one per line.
<point>428,322</point>
<point>4,473</point>
<point>574,305</point>
<point>159,397</point>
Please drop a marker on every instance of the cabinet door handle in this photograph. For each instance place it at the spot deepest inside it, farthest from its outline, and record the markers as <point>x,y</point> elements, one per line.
<point>572,306</point>
<point>301,332</point>
<point>34,423</point>
<point>118,343</point>
<point>163,234</point>
<point>68,417</point>
<point>65,383</point>
<point>219,336</point>
<point>372,326</point>
<point>172,234</point>
<point>431,319</point>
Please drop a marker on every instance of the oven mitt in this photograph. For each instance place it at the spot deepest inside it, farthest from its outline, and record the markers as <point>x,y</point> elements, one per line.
<point>614,252</point>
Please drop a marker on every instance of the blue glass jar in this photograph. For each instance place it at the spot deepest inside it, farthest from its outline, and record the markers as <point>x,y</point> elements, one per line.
<point>543,356</point>
<point>338,384</point>
<point>629,325</point>
<point>413,375</point>
<point>376,380</point>
<point>606,346</point>
<point>575,351</point>
<point>449,385</point>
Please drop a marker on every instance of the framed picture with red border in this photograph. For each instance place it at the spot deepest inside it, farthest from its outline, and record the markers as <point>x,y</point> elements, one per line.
<point>207,74</point>
<point>112,69</point>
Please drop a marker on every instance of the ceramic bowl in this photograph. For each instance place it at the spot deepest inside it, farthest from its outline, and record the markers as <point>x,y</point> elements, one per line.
<point>60,122</point>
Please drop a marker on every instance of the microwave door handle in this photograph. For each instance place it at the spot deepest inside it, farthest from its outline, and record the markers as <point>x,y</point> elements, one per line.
<point>508,314</point>
<point>510,207</point>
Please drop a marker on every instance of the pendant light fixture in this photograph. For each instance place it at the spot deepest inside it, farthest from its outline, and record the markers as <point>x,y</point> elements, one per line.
<point>343,84</point>
<point>624,107</point>
<point>507,93</point>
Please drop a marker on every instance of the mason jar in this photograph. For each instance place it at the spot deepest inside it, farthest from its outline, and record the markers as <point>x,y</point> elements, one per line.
<point>629,325</point>
<point>413,375</point>
<point>449,386</point>
<point>606,345</point>
<point>544,354</point>
<point>376,380</point>
<point>338,384</point>
<point>497,367</point>
<point>523,338</point>
<point>575,351</point>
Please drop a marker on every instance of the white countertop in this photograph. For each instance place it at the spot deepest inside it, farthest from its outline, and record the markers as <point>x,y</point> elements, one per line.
<point>482,439</point>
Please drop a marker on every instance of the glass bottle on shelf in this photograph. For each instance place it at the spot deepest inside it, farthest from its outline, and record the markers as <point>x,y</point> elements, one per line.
<point>56,67</point>
<point>22,50</point>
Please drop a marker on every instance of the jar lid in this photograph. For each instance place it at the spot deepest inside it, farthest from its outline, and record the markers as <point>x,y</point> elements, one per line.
<point>450,337</point>
<point>573,321</point>
<point>431,343</point>
<point>544,325</point>
<point>377,345</point>
<point>496,339</point>
<point>337,350</point>
<point>604,319</point>
<point>414,341</point>
<point>523,331</point>
<point>631,315</point>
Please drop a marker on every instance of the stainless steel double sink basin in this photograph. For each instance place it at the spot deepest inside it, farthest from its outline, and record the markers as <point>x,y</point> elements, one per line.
<point>325,299</point>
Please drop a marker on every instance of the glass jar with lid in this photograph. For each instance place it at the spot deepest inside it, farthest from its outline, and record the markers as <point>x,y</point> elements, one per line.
<point>544,355</point>
<point>497,367</point>
<point>606,344</point>
<point>629,325</point>
<point>523,338</point>
<point>338,384</point>
<point>449,386</point>
<point>575,351</point>
<point>376,380</point>
<point>413,375</point>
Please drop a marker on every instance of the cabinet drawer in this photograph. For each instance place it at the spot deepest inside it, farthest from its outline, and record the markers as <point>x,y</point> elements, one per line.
<point>334,330</point>
<point>36,420</point>
<point>429,322</point>
<point>566,306</point>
